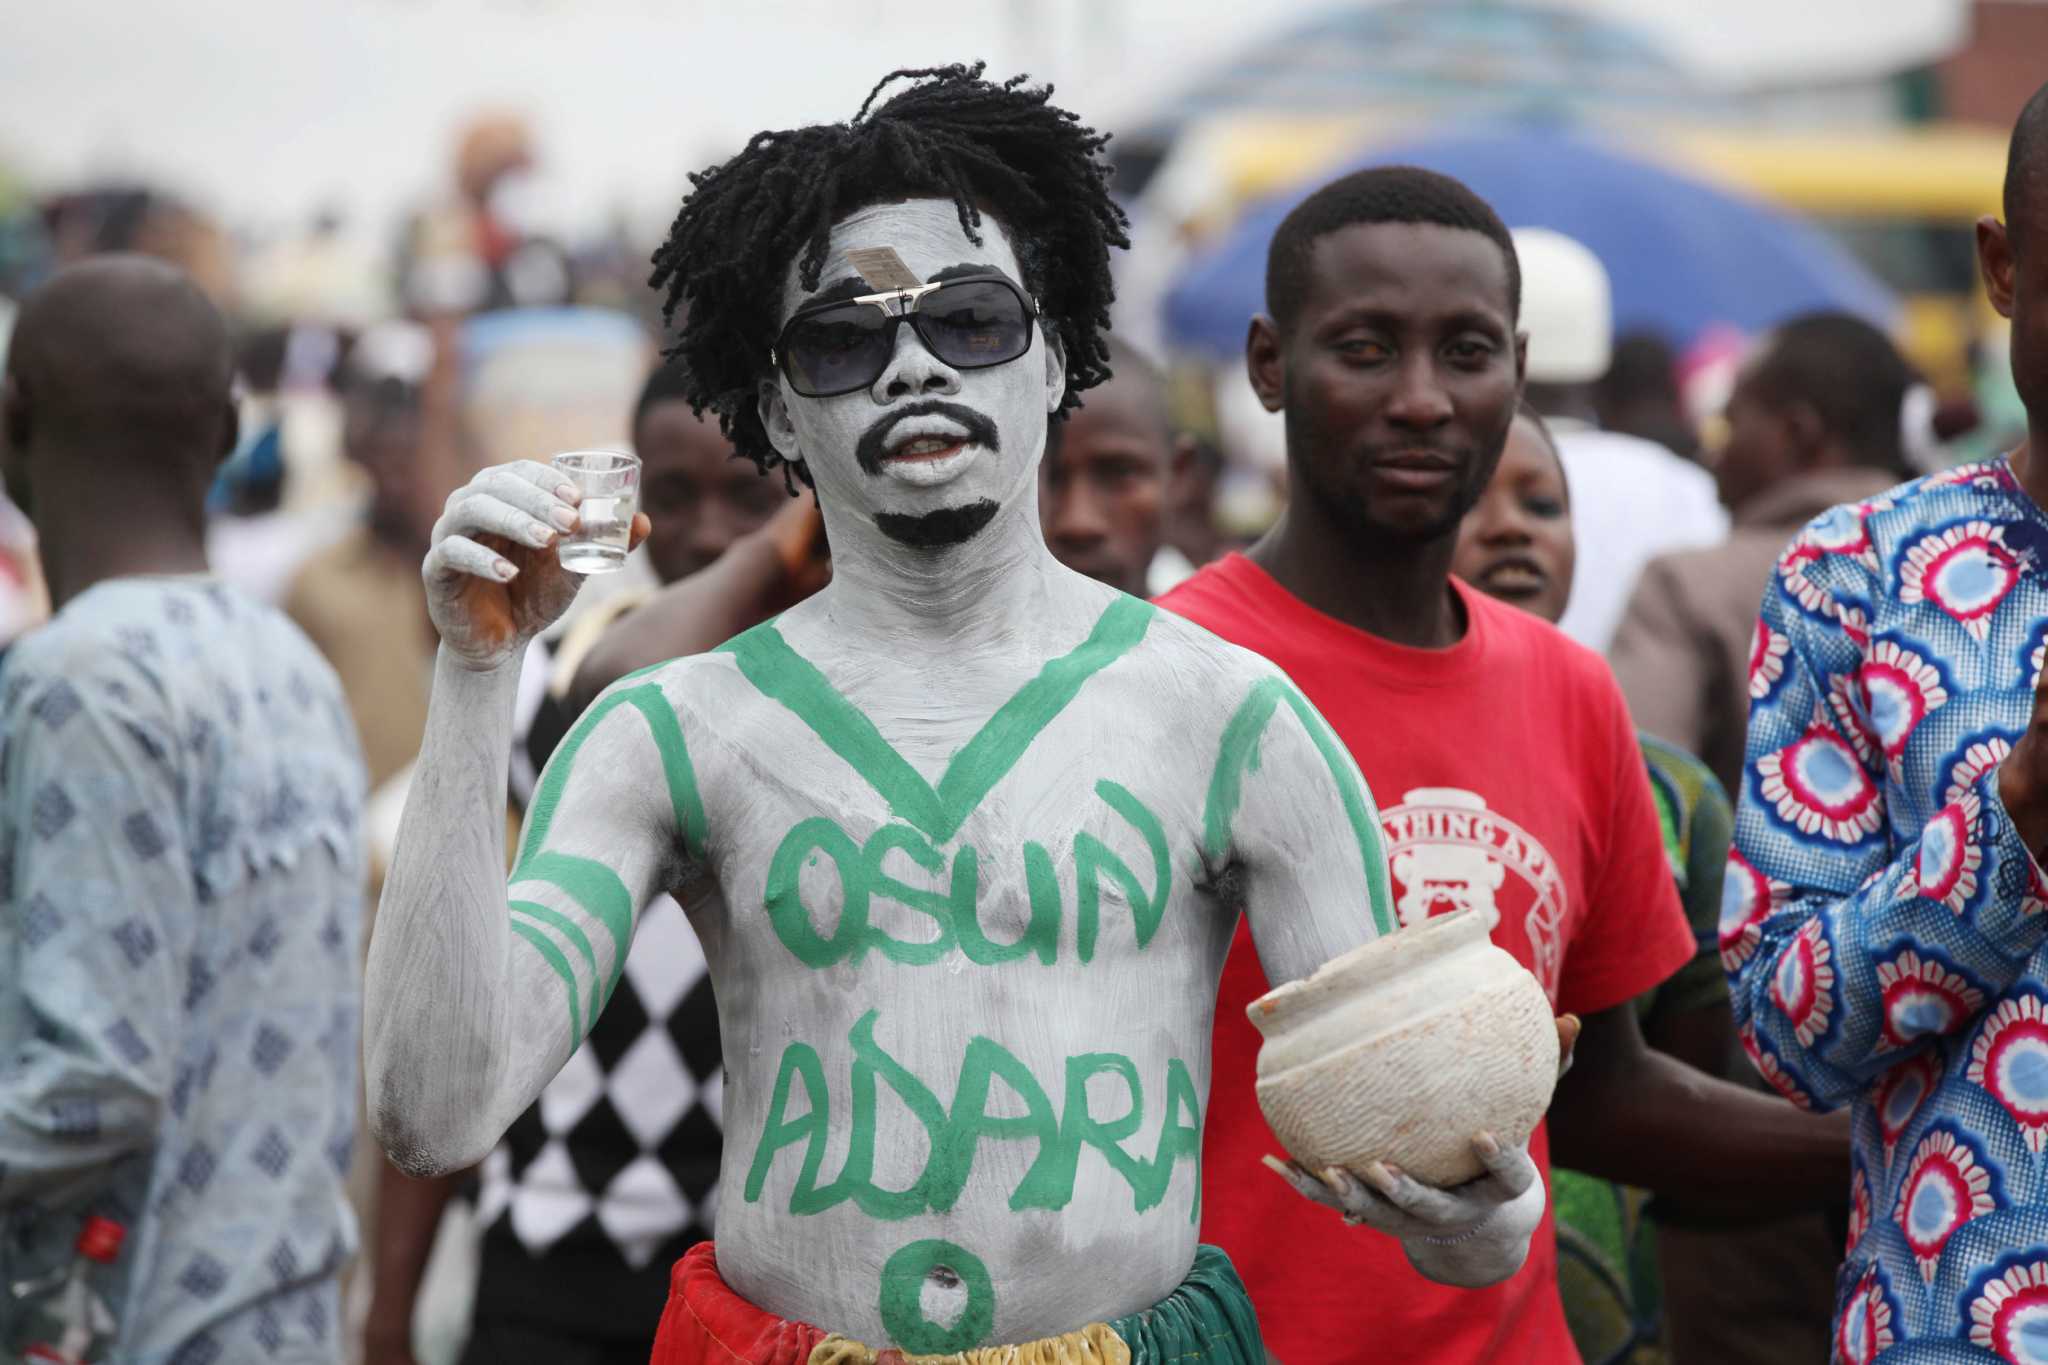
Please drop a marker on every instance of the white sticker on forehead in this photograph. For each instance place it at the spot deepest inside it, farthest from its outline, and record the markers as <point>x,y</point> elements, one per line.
<point>882,268</point>
<point>925,235</point>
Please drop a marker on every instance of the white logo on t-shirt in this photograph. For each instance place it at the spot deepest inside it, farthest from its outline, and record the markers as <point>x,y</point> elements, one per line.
<point>1449,852</point>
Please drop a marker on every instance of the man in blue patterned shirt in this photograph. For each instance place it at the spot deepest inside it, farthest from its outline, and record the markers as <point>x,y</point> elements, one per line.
<point>180,867</point>
<point>1886,915</point>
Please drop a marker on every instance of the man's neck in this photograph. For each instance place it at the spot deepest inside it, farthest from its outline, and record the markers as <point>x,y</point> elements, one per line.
<point>1402,594</point>
<point>989,587</point>
<point>80,545</point>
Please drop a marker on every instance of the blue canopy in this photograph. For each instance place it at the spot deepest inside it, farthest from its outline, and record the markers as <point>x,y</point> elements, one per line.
<point>1682,254</point>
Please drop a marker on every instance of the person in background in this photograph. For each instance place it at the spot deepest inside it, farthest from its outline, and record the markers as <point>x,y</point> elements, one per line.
<point>360,599</point>
<point>180,859</point>
<point>1193,537</point>
<point>608,1178</point>
<point>1724,1294</point>
<point>1636,498</point>
<point>1639,394</point>
<point>1814,420</point>
<point>1108,471</point>
<point>1887,919</point>
<point>1392,350</point>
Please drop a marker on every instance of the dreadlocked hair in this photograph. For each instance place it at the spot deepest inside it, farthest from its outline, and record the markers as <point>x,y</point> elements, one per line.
<point>1034,167</point>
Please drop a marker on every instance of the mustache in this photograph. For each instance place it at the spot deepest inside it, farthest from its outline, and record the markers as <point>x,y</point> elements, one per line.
<point>874,442</point>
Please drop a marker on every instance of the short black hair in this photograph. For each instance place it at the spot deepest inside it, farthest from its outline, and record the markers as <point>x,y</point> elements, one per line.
<point>1003,150</point>
<point>667,382</point>
<point>1381,194</point>
<point>1849,373</point>
<point>2026,163</point>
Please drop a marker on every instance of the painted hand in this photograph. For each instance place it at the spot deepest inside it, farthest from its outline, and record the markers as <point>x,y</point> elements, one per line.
<point>1472,1235</point>
<point>493,581</point>
<point>1568,1027</point>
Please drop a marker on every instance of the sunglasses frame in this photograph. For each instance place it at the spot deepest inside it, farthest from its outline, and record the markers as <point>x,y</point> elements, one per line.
<point>898,306</point>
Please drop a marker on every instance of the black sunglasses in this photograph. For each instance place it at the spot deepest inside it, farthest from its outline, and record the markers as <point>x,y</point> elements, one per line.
<point>970,324</point>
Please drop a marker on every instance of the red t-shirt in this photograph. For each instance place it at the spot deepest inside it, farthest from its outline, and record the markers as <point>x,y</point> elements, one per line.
<point>1508,777</point>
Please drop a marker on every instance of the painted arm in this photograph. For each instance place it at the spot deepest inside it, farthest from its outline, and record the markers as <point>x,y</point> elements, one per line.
<point>1289,818</point>
<point>474,999</point>
<point>1847,948</point>
<point>99,928</point>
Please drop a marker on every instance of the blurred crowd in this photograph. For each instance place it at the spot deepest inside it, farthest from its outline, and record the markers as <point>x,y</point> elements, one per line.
<point>1645,498</point>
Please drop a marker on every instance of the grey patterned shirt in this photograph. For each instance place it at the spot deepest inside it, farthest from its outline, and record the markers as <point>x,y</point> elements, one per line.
<point>181,880</point>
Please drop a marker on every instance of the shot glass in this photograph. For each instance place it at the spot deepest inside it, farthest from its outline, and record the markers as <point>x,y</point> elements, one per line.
<point>610,484</point>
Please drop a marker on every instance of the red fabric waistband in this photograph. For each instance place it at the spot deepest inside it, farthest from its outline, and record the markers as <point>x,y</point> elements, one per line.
<point>707,1324</point>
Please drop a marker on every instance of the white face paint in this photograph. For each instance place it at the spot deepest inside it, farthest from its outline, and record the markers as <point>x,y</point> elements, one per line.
<point>931,461</point>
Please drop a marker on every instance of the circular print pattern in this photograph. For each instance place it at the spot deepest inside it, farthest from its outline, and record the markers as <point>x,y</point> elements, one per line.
<point>1946,1185</point>
<point>1803,986</point>
<point>2009,1314</point>
<point>1922,996</point>
<point>2010,1060</point>
<point>1818,787</point>
<point>1966,571</point>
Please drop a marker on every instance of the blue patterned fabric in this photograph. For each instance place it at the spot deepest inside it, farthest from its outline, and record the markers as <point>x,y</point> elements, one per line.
<point>1885,929</point>
<point>181,885</point>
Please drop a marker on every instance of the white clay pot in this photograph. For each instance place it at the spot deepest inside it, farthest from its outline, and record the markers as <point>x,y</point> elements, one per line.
<point>1404,1050</point>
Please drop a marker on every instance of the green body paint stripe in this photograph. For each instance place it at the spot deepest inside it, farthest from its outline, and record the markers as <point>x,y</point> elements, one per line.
<point>1358,806</point>
<point>568,929</point>
<point>1239,754</point>
<point>684,799</point>
<point>779,672</point>
<point>553,957</point>
<point>598,890</point>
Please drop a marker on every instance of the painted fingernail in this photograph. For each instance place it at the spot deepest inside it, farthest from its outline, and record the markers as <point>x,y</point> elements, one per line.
<point>1275,1165</point>
<point>504,569</point>
<point>1378,1176</point>
<point>540,537</point>
<point>564,517</point>
<point>569,493</point>
<point>1488,1145</point>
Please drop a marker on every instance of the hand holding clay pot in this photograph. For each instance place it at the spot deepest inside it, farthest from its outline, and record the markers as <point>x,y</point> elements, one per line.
<point>493,580</point>
<point>1403,1051</point>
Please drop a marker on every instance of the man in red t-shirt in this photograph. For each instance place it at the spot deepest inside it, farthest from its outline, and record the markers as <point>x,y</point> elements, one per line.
<point>1501,754</point>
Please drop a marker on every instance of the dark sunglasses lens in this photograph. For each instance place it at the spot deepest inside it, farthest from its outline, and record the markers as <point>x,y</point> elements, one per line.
<point>837,350</point>
<point>975,324</point>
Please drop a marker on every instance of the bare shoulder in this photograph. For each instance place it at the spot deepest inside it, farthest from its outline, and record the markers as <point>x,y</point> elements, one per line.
<point>695,688</point>
<point>1203,674</point>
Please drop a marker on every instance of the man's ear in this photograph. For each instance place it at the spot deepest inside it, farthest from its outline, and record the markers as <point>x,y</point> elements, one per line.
<point>1994,261</point>
<point>1055,369</point>
<point>774,411</point>
<point>1265,364</point>
<point>1805,431</point>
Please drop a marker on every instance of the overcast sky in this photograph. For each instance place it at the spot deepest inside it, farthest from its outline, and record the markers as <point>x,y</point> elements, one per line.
<point>264,109</point>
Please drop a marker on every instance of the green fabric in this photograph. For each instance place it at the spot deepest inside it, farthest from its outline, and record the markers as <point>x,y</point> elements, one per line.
<point>1606,1247</point>
<point>1698,822</point>
<point>1207,1321</point>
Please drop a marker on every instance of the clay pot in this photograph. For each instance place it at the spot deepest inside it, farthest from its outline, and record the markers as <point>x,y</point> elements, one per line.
<point>1404,1050</point>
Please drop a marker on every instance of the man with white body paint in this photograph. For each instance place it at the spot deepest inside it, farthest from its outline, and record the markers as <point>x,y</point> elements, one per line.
<point>964,835</point>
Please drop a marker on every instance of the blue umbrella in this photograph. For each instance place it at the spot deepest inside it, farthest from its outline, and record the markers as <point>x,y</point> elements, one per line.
<point>1683,255</point>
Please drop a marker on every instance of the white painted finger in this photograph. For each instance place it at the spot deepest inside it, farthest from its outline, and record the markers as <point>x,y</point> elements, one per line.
<point>545,477</point>
<point>1426,1203</point>
<point>485,514</point>
<point>508,483</point>
<point>453,556</point>
<point>1304,1184</point>
<point>1510,1167</point>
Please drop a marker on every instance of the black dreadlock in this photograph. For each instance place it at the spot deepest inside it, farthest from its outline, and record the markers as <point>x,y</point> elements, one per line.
<point>1033,166</point>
